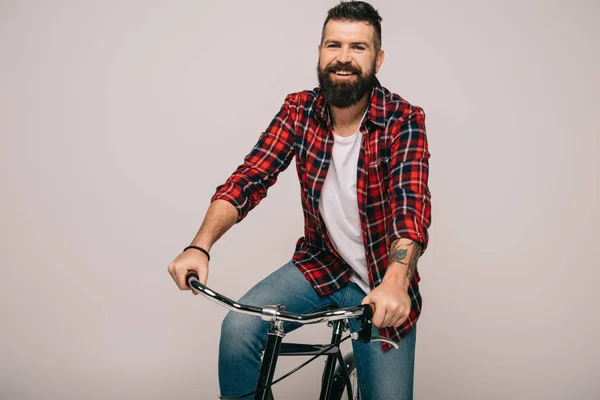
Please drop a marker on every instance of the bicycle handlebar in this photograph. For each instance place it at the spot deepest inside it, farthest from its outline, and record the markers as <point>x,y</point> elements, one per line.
<point>271,313</point>
<point>274,313</point>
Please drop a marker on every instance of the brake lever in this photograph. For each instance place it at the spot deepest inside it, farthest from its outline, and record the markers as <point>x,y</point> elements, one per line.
<point>355,336</point>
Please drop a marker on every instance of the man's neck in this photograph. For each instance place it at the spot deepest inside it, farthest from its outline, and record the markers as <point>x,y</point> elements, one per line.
<point>346,120</point>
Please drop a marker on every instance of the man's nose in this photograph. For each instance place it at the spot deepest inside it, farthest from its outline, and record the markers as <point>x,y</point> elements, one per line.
<point>344,56</point>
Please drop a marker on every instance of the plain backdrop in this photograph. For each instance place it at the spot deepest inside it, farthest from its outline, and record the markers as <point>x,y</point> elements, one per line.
<point>119,119</point>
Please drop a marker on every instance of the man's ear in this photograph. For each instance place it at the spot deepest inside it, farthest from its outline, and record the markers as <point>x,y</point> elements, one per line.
<point>379,60</point>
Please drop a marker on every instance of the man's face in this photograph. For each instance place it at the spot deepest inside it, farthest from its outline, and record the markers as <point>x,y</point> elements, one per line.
<point>347,62</point>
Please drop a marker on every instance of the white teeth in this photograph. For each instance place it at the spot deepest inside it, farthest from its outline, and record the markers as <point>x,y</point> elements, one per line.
<point>343,73</point>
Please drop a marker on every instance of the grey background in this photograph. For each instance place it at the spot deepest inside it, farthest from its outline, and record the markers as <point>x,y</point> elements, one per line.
<point>119,119</point>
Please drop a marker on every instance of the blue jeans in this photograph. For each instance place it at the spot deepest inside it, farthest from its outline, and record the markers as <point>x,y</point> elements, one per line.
<point>381,375</point>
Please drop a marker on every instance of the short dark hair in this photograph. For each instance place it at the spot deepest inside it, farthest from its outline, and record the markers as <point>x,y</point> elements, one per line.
<point>359,11</point>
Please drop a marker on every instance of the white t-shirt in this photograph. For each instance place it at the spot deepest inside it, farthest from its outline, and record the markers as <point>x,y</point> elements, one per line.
<point>339,206</point>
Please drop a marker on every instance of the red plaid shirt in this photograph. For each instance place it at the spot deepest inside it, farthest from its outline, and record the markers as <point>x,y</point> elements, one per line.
<point>393,196</point>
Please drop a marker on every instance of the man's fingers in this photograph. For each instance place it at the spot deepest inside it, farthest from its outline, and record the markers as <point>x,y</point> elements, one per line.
<point>202,275</point>
<point>400,320</point>
<point>171,270</point>
<point>389,319</point>
<point>403,319</point>
<point>379,316</point>
<point>176,277</point>
<point>395,320</point>
<point>181,280</point>
<point>366,300</point>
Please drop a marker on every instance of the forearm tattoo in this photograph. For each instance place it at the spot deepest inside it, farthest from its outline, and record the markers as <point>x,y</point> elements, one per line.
<point>399,253</point>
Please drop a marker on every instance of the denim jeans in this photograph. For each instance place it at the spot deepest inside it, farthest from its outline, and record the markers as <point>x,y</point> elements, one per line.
<point>381,375</point>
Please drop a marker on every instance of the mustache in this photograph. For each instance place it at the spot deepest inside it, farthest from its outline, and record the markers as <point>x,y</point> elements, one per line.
<point>343,68</point>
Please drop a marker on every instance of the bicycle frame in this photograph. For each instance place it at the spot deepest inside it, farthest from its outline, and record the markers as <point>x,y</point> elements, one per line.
<point>331,388</point>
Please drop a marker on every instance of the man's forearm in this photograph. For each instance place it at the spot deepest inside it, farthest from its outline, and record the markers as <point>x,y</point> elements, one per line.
<point>403,257</point>
<point>221,216</point>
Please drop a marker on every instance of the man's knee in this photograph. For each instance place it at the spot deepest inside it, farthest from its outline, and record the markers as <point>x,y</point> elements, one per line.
<point>241,329</point>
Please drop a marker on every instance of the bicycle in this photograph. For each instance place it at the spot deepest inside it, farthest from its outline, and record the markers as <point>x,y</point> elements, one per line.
<point>337,380</point>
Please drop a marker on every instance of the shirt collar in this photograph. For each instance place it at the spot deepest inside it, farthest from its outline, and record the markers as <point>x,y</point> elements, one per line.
<point>375,110</point>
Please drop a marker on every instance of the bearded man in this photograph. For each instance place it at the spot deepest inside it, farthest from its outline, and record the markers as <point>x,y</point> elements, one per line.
<point>361,155</point>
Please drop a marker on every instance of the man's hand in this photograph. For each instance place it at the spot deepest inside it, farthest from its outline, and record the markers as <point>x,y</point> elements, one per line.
<point>390,302</point>
<point>189,260</point>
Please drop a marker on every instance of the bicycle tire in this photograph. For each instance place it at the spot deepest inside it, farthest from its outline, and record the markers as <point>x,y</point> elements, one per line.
<point>340,391</point>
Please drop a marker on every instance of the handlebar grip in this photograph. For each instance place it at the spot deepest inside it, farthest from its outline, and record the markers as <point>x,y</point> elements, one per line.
<point>366,324</point>
<point>190,275</point>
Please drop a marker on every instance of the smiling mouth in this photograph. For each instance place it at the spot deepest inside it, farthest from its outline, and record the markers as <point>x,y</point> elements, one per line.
<point>342,73</point>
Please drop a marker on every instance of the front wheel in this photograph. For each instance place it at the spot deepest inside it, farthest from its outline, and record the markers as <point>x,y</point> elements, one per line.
<point>340,391</point>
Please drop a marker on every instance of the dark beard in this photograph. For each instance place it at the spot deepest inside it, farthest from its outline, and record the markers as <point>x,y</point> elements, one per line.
<point>344,95</point>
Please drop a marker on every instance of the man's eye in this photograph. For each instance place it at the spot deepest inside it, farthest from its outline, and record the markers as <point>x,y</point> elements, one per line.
<point>333,45</point>
<point>359,47</point>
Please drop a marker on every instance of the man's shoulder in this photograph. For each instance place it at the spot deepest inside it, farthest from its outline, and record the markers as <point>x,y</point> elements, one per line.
<point>303,98</point>
<point>396,106</point>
